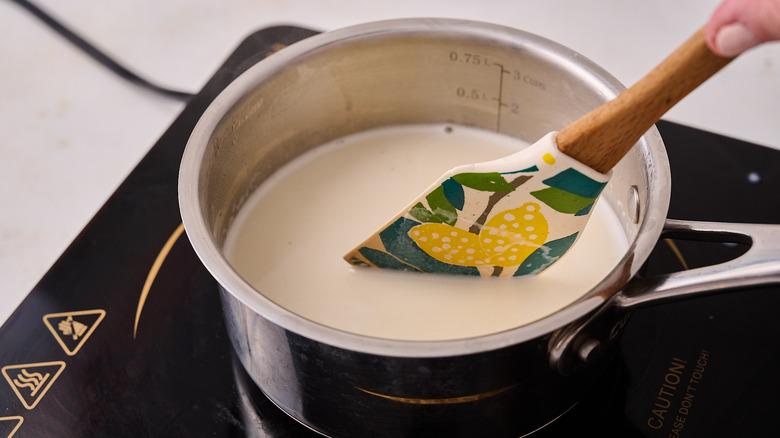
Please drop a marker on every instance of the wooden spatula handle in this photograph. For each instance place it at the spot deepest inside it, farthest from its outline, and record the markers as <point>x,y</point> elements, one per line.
<point>600,138</point>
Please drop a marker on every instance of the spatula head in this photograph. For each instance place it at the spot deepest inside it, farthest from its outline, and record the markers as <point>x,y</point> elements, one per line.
<point>509,217</point>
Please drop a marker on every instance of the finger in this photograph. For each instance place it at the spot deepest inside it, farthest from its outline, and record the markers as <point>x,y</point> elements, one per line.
<point>725,14</point>
<point>738,25</point>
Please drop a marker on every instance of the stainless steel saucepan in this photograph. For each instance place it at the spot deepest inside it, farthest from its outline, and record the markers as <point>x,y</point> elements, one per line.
<point>433,71</point>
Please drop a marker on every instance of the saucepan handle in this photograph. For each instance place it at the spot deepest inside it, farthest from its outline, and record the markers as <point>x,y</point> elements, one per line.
<point>759,265</point>
<point>585,342</point>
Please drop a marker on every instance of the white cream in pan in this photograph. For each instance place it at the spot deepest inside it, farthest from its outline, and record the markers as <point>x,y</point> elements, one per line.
<point>289,239</point>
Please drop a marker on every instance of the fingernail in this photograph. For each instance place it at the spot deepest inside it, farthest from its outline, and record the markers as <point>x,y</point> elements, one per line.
<point>734,39</point>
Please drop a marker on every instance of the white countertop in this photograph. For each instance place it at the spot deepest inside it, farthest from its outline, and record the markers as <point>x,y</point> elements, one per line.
<point>71,130</point>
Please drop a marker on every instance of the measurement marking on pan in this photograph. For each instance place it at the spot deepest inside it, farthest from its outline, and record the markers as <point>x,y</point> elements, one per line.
<point>478,93</point>
<point>469,58</point>
<point>500,98</point>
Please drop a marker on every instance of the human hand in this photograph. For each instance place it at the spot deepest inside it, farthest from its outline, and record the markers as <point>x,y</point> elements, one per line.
<point>738,25</point>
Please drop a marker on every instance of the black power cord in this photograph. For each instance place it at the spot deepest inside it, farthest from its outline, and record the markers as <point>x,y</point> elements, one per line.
<point>98,55</point>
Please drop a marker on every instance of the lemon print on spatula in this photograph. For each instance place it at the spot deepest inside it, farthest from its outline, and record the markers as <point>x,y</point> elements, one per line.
<point>505,240</point>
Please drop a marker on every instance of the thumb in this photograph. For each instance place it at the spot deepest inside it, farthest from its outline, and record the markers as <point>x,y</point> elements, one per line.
<point>733,39</point>
<point>737,25</point>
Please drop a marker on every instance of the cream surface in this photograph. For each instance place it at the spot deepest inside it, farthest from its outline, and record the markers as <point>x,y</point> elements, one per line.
<point>289,239</point>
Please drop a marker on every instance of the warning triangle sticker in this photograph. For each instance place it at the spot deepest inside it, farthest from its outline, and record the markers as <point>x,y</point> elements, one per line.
<point>72,329</point>
<point>31,381</point>
<point>9,426</point>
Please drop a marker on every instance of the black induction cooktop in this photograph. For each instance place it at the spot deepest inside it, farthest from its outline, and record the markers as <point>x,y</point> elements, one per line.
<point>123,337</point>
